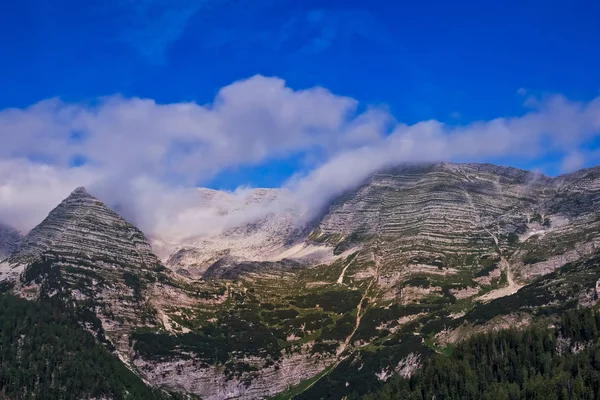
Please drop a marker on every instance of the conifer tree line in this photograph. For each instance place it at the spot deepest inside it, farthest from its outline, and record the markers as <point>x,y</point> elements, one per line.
<point>46,354</point>
<point>538,363</point>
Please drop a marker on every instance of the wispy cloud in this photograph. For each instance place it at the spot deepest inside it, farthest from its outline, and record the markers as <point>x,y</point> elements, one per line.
<point>325,28</point>
<point>150,26</point>
<point>300,32</point>
<point>572,161</point>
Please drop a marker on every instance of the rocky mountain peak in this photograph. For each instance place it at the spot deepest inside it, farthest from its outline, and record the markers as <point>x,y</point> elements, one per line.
<point>80,192</point>
<point>82,226</point>
<point>85,253</point>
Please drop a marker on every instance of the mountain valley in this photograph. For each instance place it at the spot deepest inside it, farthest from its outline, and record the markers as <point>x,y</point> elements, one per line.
<point>400,270</point>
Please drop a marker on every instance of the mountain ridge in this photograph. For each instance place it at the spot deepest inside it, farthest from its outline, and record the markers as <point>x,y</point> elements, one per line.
<point>524,189</point>
<point>410,262</point>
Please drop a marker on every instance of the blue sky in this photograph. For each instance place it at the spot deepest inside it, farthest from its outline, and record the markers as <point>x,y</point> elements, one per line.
<point>424,59</point>
<point>461,64</point>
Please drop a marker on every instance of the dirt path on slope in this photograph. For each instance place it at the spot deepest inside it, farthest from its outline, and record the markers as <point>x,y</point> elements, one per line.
<point>357,323</point>
<point>511,288</point>
<point>340,280</point>
<point>359,315</point>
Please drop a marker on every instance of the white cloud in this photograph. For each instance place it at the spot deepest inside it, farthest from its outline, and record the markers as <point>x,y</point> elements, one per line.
<point>572,162</point>
<point>28,191</point>
<point>557,125</point>
<point>135,145</point>
<point>248,121</point>
<point>145,158</point>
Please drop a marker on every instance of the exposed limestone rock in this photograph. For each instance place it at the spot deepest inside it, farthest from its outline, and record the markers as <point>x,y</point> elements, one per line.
<point>433,210</point>
<point>500,323</point>
<point>409,365</point>
<point>85,252</point>
<point>431,218</point>
<point>384,374</point>
<point>272,234</point>
<point>394,326</point>
<point>212,384</point>
<point>487,279</point>
<point>411,294</point>
<point>83,227</point>
<point>543,254</point>
<point>226,269</point>
<point>464,293</point>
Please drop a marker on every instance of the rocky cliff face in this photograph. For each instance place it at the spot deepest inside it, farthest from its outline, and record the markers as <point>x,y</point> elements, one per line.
<point>268,231</point>
<point>86,253</point>
<point>9,240</point>
<point>424,216</point>
<point>82,226</point>
<point>438,212</point>
<point>451,215</point>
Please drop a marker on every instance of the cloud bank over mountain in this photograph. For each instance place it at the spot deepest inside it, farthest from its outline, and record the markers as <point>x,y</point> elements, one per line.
<point>146,159</point>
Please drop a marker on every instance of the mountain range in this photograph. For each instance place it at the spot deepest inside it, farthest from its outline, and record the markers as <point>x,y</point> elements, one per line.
<point>414,260</point>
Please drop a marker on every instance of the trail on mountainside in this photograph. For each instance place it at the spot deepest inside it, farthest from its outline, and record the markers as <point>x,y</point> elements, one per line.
<point>340,280</point>
<point>359,310</point>
<point>504,265</point>
<point>357,323</point>
<point>359,315</point>
<point>511,288</point>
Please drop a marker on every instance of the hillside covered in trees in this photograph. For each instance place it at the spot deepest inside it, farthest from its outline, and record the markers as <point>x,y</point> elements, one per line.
<point>46,354</point>
<point>559,363</point>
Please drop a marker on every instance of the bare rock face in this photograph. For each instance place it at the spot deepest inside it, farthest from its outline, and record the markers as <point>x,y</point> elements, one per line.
<point>565,228</point>
<point>450,215</point>
<point>82,226</point>
<point>9,240</point>
<point>212,384</point>
<point>432,213</point>
<point>86,253</point>
<point>267,232</point>
<point>438,216</point>
<point>448,199</point>
<point>444,216</point>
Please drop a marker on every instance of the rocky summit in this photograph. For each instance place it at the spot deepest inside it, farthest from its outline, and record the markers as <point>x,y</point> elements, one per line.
<point>405,266</point>
<point>85,252</point>
<point>82,226</point>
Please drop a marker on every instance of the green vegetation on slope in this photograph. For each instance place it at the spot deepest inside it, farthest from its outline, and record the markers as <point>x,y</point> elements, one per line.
<point>46,354</point>
<point>245,326</point>
<point>537,363</point>
<point>386,341</point>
